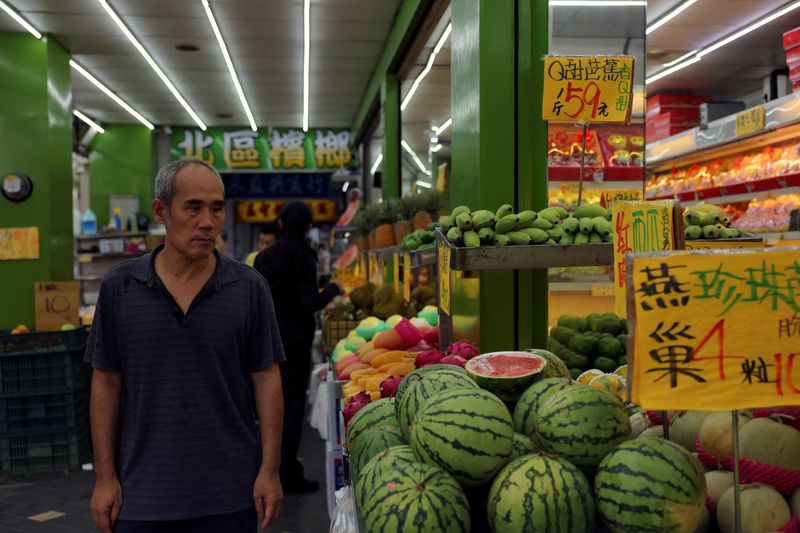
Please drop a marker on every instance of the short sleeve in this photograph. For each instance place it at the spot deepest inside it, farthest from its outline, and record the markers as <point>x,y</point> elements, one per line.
<point>101,348</point>
<point>264,347</point>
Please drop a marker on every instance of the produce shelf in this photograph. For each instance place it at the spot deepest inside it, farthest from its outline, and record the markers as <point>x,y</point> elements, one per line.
<point>421,258</point>
<point>739,192</point>
<point>385,254</point>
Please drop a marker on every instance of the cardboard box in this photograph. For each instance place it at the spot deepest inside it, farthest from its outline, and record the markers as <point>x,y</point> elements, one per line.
<point>678,114</point>
<point>791,38</point>
<point>676,100</point>
<point>56,303</point>
<point>793,56</point>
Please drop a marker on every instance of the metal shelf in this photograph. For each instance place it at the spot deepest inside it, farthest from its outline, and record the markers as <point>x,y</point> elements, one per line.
<point>385,254</point>
<point>96,255</point>
<point>114,235</point>
<point>89,278</point>
<point>739,192</point>
<point>421,258</point>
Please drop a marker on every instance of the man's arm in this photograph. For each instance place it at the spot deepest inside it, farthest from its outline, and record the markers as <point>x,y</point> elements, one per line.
<point>267,491</point>
<point>104,410</point>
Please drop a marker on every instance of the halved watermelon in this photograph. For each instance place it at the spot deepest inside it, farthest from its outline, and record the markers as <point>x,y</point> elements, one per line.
<point>506,374</point>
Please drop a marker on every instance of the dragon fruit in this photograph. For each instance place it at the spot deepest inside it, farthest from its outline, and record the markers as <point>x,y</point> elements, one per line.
<point>429,357</point>
<point>452,359</point>
<point>408,332</point>
<point>389,386</point>
<point>354,405</point>
<point>464,349</point>
<point>431,336</point>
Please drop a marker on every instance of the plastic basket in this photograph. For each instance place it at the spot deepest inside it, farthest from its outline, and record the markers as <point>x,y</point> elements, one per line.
<point>335,330</point>
<point>45,451</point>
<point>42,362</point>
<point>43,411</point>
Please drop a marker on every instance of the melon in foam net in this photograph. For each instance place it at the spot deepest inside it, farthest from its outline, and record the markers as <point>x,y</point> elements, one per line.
<point>506,374</point>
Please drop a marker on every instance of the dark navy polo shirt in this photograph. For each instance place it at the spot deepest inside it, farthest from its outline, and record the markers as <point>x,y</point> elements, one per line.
<point>188,443</point>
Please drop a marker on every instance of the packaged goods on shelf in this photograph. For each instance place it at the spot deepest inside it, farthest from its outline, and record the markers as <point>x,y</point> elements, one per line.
<point>769,214</point>
<point>564,153</point>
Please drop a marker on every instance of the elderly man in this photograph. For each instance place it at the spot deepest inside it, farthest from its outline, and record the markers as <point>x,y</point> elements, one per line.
<point>185,348</point>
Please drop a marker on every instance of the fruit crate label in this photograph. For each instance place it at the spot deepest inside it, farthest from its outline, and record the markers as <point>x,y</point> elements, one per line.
<point>715,330</point>
<point>396,272</point>
<point>407,276</point>
<point>443,258</point>
<point>750,121</point>
<point>588,88</point>
<point>639,227</point>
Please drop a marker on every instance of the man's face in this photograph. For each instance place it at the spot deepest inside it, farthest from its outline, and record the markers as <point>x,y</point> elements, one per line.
<point>265,240</point>
<point>195,218</point>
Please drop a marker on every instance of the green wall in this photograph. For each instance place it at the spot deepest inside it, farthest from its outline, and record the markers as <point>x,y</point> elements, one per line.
<point>36,129</point>
<point>391,165</point>
<point>121,163</point>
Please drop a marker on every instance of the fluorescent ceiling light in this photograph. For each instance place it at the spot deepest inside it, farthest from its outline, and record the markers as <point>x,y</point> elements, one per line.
<point>424,184</point>
<point>151,62</point>
<point>676,61</point>
<point>345,186</point>
<point>598,3</point>
<point>306,53</point>
<point>669,15</point>
<point>376,164</point>
<point>110,94</point>
<point>414,156</point>
<point>446,124</point>
<point>231,70</point>
<point>21,21</point>
<point>428,66</point>
<point>436,147</point>
<point>88,121</point>
<point>747,29</point>
<point>664,73</point>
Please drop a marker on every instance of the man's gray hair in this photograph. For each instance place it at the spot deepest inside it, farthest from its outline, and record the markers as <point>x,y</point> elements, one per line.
<point>165,179</point>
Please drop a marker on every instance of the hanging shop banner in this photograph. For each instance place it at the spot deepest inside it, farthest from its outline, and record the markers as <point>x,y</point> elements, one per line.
<point>277,185</point>
<point>588,88</point>
<point>279,149</point>
<point>750,121</point>
<point>715,330</point>
<point>259,211</point>
<point>639,227</point>
<point>19,243</point>
<point>609,196</point>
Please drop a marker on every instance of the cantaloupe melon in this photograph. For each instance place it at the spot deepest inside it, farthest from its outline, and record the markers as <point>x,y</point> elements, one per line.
<point>653,432</point>
<point>685,427</point>
<point>763,509</point>
<point>770,442</point>
<point>717,482</point>
<point>794,503</point>
<point>716,434</point>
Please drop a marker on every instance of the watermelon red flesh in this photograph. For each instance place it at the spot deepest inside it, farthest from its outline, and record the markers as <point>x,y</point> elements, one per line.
<point>507,374</point>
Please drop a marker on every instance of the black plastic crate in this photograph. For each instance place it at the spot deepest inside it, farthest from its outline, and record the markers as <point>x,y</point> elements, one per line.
<point>45,451</point>
<point>52,411</point>
<point>42,362</point>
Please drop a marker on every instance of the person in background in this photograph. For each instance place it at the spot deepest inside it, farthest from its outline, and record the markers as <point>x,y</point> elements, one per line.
<point>222,241</point>
<point>323,264</point>
<point>290,268</point>
<point>266,238</point>
<point>185,346</point>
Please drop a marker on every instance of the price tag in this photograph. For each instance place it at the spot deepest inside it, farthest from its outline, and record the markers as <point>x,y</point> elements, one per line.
<point>638,227</point>
<point>609,196</point>
<point>588,88</point>
<point>715,330</point>
<point>750,121</point>
<point>396,272</point>
<point>443,257</point>
<point>407,275</point>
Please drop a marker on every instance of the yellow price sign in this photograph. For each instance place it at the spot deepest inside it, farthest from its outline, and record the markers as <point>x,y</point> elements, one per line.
<point>588,88</point>
<point>722,245</point>
<point>715,330</point>
<point>407,275</point>
<point>638,227</point>
<point>443,258</point>
<point>396,271</point>
<point>609,196</point>
<point>750,121</point>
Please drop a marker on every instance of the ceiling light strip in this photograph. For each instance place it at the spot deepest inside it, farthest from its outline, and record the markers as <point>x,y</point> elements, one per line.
<point>446,124</point>
<point>21,21</point>
<point>110,94</point>
<point>231,70</point>
<point>664,73</point>
<point>118,21</point>
<point>436,147</point>
<point>88,121</point>
<point>414,156</point>
<point>376,164</point>
<point>306,57</point>
<point>669,15</point>
<point>424,184</point>
<point>678,60</point>
<point>428,66</point>
<point>597,3</point>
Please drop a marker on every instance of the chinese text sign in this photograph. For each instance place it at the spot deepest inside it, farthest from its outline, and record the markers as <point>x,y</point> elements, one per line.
<point>715,330</point>
<point>443,258</point>
<point>587,88</point>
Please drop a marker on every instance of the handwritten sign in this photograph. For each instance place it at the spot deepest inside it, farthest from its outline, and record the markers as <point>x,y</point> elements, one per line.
<point>588,88</point>
<point>715,331</point>
<point>639,227</point>
<point>722,244</point>
<point>407,275</point>
<point>19,243</point>
<point>396,272</point>
<point>750,121</point>
<point>443,258</point>
<point>608,197</point>
<point>56,303</point>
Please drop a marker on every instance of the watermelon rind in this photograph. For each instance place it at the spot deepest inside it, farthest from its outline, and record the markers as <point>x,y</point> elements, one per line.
<point>555,368</point>
<point>416,498</point>
<point>418,393</point>
<point>507,388</point>
<point>524,419</point>
<point>650,485</point>
<point>375,413</point>
<point>540,493</point>
<point>370,443</point>
<point>419,374</point>
<point>379,465</point>
<point>467,432</point>
<point>521,445</point>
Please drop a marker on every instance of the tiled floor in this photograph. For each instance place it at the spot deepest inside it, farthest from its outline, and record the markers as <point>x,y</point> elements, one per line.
<point>69,493</point>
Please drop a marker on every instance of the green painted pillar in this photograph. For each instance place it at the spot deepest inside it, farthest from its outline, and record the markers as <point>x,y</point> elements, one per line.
<point>121,162</point>
<point>390,107</point>
<point>532,285</point>
<point>36,133</point>
<point>483,77</point>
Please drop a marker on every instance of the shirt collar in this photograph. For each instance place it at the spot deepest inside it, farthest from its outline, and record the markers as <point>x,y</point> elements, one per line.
<point>145,270</point>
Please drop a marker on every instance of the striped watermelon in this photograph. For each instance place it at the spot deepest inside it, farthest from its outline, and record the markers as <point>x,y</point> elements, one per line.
<point>370,443</point>
<point>417,375</point>
<point>556,368</point>
<point>521,445</point>
<point>465,431</point>
<point>416,498</point>
<point>541,493</point>
<point>379,412</point>
<point>651,485</point>
<point>581,424</point>
<point>419,391</point>
<point>524,419</point>
<point>379,465</point>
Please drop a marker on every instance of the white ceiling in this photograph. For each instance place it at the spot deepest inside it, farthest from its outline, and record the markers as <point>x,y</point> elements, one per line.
<point>731,72</point>
<point>264,38</point>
